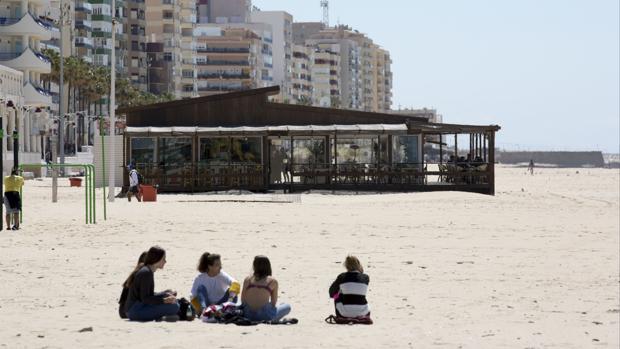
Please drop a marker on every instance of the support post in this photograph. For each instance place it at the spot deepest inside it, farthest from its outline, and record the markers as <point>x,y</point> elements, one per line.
<point>112,136</point>
<point>1,169</point>
<point>491,166</point>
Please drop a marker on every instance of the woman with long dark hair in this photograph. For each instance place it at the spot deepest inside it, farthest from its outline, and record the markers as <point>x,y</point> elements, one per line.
<point>122,312</point>
<point>260,294</point>
<point>143,303</point>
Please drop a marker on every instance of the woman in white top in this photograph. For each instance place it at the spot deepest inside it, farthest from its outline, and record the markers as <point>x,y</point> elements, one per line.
<point>212,285</point>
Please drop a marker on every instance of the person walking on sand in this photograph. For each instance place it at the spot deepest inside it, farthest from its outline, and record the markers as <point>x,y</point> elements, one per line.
<point>134,184</point>
<point>530,167</point>
<point>12,200</point>
<point>143,303</point>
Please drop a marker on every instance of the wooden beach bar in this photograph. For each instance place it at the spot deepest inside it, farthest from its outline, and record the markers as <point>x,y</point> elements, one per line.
<point>241,140</point>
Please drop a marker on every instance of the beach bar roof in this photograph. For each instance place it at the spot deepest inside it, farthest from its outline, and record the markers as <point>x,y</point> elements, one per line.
<point>313,141</point>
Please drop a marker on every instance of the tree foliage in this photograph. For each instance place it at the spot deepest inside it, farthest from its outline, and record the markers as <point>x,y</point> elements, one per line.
<point>89,85</point>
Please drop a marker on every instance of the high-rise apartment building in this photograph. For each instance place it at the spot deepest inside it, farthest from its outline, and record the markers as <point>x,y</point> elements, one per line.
<point>171,23</point>
<point>82,33</point>
<point>365,78</point>
<point>301,77</point>
<point>223,11</point>
<point>21,32</point>
<point>135,38</point>
<point>101,19</point>
<point>325,72</point>
<point>188,71</point>
<point>23,98</point>
<point>282,27</point>
<point>232,59</point>
<point>163,25</point>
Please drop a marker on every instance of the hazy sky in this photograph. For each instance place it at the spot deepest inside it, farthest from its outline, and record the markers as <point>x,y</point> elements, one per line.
<point>546,71</point>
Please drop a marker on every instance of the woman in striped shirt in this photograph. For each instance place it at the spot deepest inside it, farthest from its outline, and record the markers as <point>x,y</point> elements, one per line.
<point>349,290</point>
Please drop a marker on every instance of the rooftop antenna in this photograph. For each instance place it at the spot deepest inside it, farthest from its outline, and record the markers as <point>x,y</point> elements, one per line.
<point>325,6</point>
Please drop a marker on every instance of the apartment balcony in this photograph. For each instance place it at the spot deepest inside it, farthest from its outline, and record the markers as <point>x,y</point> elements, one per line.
<point>216,76</point>
<point>26,60</point>
<point>41,3</point>
<point>222,88</point>
<point>223,49</point>
<point>36,96</point>
<point>83,24</point>
<point>223,63</point>
<point>82,6</point>
<point>26,25</point>
<point>188,19</point>
<point>84,42</point>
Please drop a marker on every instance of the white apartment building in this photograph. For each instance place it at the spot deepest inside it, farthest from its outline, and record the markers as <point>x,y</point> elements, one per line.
<point>301,77</point>
<point>21,32</point>
<point>188,70</point>
<point>282,27</point>
<point>325,74</point>
<point>365,77</point>
<point>30,121</point>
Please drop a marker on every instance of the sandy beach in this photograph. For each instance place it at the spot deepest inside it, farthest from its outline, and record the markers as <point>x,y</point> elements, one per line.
<point>535,266</point>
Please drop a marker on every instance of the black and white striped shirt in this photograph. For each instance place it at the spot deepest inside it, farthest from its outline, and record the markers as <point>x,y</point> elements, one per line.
<point>350,288</point>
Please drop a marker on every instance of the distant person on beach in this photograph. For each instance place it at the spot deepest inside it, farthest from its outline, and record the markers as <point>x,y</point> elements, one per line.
<point>134,184</point>
<point>349,290</point>
<point>12,200</point>
<point>530,167</point>
<point>286,165</point>
<point>143,303</point>
<point>260,294</point>
<point>276,166</point>
<point>212,285</point>
<point>123,299</point>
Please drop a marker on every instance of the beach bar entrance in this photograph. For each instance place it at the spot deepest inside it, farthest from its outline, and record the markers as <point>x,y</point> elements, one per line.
<point>240,140</point>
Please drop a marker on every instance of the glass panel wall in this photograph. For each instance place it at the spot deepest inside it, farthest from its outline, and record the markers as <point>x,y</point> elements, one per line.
<point>309,151</point>
<point>246,150</point>
<point>175,160</point>
<point>142,150</point>
<point>405,151</point>
<point>357,150</point>
<point>214,151</point>
<point>175,150</point>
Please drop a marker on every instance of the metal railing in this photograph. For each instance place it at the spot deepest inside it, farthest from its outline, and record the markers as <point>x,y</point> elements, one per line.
<point>202,176</point>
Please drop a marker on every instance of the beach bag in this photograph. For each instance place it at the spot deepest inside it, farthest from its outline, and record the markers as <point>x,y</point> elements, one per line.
<point>220,312</point>
<point>341,320</point>
<point>186,310</point>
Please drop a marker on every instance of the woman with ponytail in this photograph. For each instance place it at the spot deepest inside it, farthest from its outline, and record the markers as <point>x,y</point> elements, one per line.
<point>143,303</point>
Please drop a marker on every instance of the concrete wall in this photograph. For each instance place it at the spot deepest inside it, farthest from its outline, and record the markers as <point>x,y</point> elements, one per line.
<point>558,158</point>
<point>98,162</point>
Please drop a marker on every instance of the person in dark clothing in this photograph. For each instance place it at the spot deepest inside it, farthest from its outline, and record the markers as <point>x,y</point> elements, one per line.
<point>143,303</point>
<point>349,290</point>
<point>123,299</point>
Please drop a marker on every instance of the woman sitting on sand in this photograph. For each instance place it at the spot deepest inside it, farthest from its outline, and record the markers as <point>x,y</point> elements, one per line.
<point>349,290</point>
<point>260,294</point>
<point>143,304</point>
<point>212,285</point>
<point>123,299</point>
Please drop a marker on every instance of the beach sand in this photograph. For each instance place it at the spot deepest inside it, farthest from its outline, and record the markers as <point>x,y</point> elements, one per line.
<point>535,266</point>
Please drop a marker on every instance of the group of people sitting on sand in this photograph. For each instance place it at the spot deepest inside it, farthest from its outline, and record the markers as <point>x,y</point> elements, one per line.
<point>212,286</point>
